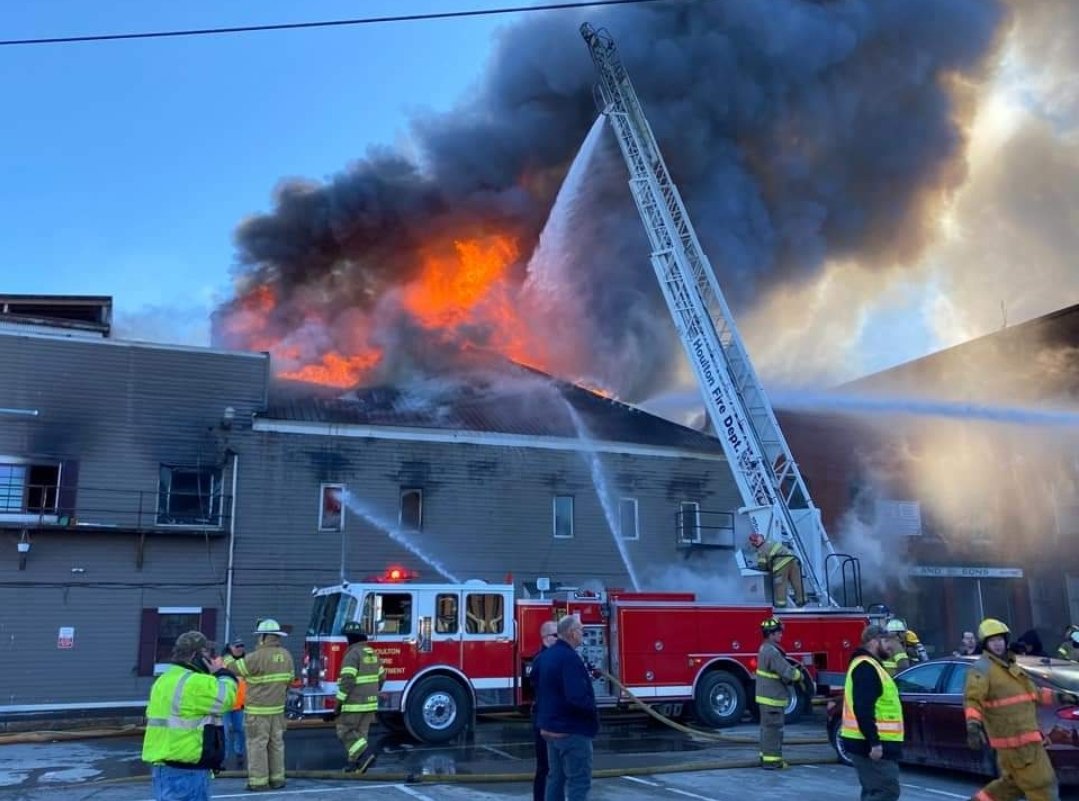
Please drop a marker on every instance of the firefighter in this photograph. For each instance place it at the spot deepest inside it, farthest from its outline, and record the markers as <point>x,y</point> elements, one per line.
<point>268,672</point>
<point>1069,649</point>
<point>774,674</point>
<point>999,705</point>
<point>899,658</point>
<point>913,646</point>
<point>360,679</point>
<point>777,559</point>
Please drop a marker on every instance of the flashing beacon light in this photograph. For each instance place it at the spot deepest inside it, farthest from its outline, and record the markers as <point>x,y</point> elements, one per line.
<point>398,574</point>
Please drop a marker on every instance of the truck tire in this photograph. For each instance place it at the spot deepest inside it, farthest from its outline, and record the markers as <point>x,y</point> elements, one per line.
<point>438,710</point>
<point>797,705</point>
<point>393,722</point>
<point>720,699</point>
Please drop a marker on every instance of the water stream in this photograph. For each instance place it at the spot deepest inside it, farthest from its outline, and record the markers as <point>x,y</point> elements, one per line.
<point>395,534</point>
<point>603,490</point>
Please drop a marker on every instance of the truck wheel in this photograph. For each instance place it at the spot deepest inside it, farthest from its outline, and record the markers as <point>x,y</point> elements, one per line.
<point>837,743</point>
<point>720,699</point>
<point>439,709</point>
<point>798,703</point>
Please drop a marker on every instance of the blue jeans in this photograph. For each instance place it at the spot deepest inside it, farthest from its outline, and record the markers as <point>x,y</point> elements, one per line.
<point>570,775</point>
<point>235,739</point>
<point>180,784</point>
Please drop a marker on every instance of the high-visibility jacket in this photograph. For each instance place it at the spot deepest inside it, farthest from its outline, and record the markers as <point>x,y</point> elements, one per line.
<point>774,673</point>
<point>1068,651</point>
<point>268,672</point>
<point>773,555</point>
<point>1002,697</point>
<point>360,679</point>
<point>887,710</point>
<point>900,661</point>
<point>183,718</point>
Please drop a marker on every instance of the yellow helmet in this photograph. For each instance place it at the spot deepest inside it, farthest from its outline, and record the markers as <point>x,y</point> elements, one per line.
<point>910,638</point>
<point>991,627</point>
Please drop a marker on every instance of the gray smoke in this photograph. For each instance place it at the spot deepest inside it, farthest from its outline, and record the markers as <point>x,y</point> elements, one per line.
<point>797,131</point>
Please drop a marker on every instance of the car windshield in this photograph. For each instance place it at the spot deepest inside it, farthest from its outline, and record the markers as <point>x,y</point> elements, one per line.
<point>1063,676</point>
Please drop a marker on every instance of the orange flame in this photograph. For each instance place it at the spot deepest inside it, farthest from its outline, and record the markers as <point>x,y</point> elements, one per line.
<point>336,370</point>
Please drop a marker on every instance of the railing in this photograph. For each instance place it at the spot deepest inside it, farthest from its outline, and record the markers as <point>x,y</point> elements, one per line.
<point>700,529</point>
<point>51,506</point>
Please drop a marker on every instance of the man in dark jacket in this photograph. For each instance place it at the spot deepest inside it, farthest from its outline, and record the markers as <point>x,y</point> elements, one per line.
<point>872,726</point>
<point>566,713</point>
<point>548,635</point>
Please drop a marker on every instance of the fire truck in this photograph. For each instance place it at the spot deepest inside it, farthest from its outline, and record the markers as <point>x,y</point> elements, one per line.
<point>452,650</point>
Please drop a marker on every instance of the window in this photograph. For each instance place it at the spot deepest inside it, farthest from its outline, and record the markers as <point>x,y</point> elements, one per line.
<point>447,620</point>
<point>484,613</point>
<point>921,678</point>
<point>563,516</point>
<point>160,628</point>
<point>331,511</point>
<point>957,680</point>
<point>689,521</point>
<point>627,519</point>
<point>387,613</point>
<point>411,517</point>
<point>189,496</point>
<point>27,488</point>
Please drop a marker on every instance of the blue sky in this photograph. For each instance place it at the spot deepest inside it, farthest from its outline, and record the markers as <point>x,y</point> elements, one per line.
<point>127,165</point>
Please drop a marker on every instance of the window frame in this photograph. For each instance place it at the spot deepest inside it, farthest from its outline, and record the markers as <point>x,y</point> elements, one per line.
<point>322,489</point>
<point>696,505</point>
<point>407,491</point>
<point>502,607</point>
<point>24,514</point>
<point>150,634</point>
<point>923,667</point>
<point>572,516</point>
<point>636,518</point>
<point>215,510</point>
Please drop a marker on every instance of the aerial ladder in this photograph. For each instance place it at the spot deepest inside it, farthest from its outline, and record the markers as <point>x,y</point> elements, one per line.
<point>773,492</point>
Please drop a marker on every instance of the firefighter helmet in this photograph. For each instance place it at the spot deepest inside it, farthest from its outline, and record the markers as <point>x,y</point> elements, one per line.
<point>771,625</point>
<point>270,626</point>
<point>991,627</point>
<point>896,626</point>
<point>910,638</point>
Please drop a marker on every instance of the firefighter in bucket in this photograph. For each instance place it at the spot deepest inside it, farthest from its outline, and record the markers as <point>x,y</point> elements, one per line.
<point>778,560</point>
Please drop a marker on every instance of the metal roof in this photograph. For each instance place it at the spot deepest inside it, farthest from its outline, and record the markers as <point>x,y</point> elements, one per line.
<point>515,400</point>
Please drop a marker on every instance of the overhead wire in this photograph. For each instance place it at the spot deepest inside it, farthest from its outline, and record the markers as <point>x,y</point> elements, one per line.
<point>336,23</point>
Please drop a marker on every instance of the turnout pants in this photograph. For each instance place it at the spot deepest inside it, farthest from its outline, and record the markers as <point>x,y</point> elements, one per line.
<point>788,577</point>
<point>265,750</point>
<point>352,728</point>
<point>879,778</point>
<point>1024,773</point>
<point>771,734</point>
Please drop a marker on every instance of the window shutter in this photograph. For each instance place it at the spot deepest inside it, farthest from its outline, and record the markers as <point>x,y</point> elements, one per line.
<point>69,482</point>
<point>147,642</point>
<point>208,626</point>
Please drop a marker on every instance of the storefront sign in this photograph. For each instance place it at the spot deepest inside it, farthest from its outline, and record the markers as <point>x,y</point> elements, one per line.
<point>954,571</point>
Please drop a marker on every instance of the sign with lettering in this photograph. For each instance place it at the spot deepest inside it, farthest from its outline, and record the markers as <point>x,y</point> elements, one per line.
<point>66,637</point>
<point>957,571</point>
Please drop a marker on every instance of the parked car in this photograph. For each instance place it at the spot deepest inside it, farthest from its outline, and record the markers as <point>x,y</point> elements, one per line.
<point>936,729</point>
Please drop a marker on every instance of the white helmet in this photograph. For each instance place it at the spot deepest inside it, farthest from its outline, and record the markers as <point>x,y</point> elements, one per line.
<point>270,626</point>
<point>896,625</point>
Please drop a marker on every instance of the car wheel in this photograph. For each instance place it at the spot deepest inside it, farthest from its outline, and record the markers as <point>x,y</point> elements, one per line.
<point>720,699</point>
<point>838,745</point>
<point>438,710</point>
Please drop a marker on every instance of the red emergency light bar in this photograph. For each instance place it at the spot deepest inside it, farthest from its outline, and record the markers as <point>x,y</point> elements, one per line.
<point>394,575</point>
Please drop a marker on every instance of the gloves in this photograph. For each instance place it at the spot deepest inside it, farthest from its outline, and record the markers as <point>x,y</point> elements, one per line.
<point>976,739</point>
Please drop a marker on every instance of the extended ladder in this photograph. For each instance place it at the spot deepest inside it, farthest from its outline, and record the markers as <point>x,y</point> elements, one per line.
<point>775,496</point>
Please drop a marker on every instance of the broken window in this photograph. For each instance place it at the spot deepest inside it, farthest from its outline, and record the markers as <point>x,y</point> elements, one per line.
<point>563,516</point>
<point>331,512</point>
<point>689,522</point>
<point>26,487</point>
<point>189,496</point>
<point>627,518</point>
<point>411,517</point>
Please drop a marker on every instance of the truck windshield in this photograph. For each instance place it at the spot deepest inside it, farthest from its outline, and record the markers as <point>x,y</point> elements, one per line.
<point>324,614</point>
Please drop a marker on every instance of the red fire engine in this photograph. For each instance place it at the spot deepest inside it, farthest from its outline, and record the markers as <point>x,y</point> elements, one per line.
<point>451,650</point>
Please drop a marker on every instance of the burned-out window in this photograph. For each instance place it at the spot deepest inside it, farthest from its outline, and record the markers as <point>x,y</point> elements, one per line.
<point>629,525</point>
<point>689,521</point>
<point>331,511</point>
<point>563,516</point>
<point>484,613</point>
<point>189,496</point>
<point>411,516</point>
<point>26,487</point>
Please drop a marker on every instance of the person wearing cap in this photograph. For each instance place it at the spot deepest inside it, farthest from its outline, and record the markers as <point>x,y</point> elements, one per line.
<point>185,740</point>
<point>775,674</point>
<point>777,559</point>
<point>872,724</point>
<point>235,740</point>
<point>268,673</point>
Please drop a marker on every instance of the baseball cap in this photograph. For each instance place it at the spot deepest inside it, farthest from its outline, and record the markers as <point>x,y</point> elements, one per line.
<point>875,632</point>
<point>191,642</point>
<point>237,642</point>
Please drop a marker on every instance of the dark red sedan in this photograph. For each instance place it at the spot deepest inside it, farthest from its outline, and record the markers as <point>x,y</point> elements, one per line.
<point>936,730</point>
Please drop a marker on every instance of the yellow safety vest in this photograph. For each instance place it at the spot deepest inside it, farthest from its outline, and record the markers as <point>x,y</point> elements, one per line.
<point>888,711</point>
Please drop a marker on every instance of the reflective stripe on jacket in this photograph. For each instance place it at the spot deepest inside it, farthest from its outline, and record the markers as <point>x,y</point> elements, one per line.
<point>183,704</point>
<point>1002,697</point>
<point>773,555</point>
<point>887,710</point>
<point>268,672</point>
<point>774,673</point>
<point>360,679</point>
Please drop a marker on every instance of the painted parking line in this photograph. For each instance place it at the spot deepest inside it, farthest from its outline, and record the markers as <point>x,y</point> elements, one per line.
<point>272,793</point>
<point>935,791</point>
<point>414,793</point>
<point>637,780</point>
<point>668,788</point>
<point>500,752</point>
